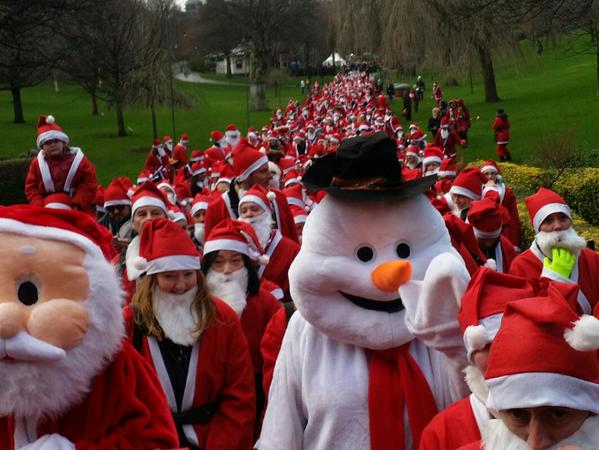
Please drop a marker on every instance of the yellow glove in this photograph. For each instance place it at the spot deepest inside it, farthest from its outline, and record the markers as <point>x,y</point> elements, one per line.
<point>562,263</point>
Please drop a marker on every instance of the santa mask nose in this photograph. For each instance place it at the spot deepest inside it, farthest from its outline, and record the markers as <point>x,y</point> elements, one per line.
<point>12,319</point>
<point>391,275</point>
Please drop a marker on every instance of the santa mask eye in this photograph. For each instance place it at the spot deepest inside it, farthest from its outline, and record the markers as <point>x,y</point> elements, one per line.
<point>403,250</point>
<point>365,253</point>
<point>27,292</point>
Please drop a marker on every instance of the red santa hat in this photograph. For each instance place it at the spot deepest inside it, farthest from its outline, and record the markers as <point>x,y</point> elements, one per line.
<point>545,354</point>
<point>444,122</point>
<point>176,214</point>
<point>231,130</point>
<point>432,155</point>
<point>200,203</point>
<point>261,196</point>
<point>116,192</point>
<point>198,168</point>
<point>143,176</point>
<point>543,203</point>
<point>485,218</point>
<point>73,227</point>
<point>483,304</point>
<point>236,236</point>
<point>412,150</point>
<point>246,160</point>
<point>216,136</point>
<point>490,166</point>
<point>295,197</point>
<point>165,246</point>
<point>99,199</point>
<point>164,184</point>
<point>299,214</point>
<point>468,183</point>
<point>58,200</point>
<point>167,140</point>
<point>197,156</point>
<point>48,129</point>
<point>184,140</point>
<point>291,177</point>
<point>447,168</point>
<point>148,195</point>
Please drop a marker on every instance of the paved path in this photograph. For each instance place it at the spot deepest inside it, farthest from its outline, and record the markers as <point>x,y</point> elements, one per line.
<point>194,77</point>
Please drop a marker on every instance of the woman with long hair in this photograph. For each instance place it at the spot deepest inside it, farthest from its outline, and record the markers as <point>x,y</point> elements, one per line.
<point>194,341</point>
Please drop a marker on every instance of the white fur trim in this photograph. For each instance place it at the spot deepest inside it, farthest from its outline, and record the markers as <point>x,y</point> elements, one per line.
<point>148,200</point>
<point>271,196</point>
<point>296,201</point>
<point>198,207</point>
<point>52,134</point>
<point>255,199</point>
<point>446,173</point>
<point>486,234</point>
<point>50,120</point>
<point>488,168</point>
<point>491,264</point>
<point>459,190</point>
<point>533,389</point>
<point>140,263</point>
<point>431,159</point>
<point>252,168</point>
<point>475,338</point>
<point>173,262</point>
<point>475,380</point>
<point>300,218</point>
<point>57,205</point>
<point>263,260</point>
<point>548,209</point>
<point>226,244</point>
<point>584,337</point>
<point>118,202</point>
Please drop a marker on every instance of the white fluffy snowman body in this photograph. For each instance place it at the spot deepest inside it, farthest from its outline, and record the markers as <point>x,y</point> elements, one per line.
<point>319,394</point>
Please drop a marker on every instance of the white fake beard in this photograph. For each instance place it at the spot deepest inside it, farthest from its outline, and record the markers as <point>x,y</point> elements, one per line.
<point>198,232</point>
<point>476,382</point>
<point>275,182</point>
<point>444,134</point>
<point>568,239</point>
<point>32,390</point>
<point>262,225</point>
<point>231,288</point>
<point>497,436</point>
<point>175,315</point>
<point>412,165</point>
<point>431,172</point>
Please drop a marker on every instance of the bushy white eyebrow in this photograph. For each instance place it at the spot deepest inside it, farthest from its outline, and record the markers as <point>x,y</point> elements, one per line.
<point>27,250</point>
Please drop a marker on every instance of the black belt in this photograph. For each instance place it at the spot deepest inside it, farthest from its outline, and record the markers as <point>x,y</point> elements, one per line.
<point>200,414</point>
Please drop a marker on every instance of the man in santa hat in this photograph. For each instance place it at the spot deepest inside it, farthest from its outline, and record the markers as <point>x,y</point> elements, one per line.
<point>250,168</point>
<point>232,136</point>
<point>480,314</point>
<point>543,376</point>
<point>447,139</point>
<point>117,204</point>
<point>179,158</point>
<point>198,216</point>
<point>501,128</point>
<point>558,248</point>
<point>217,150</point>
<point>466,188</point>
<point>68,379</point>
<point>60,169</point>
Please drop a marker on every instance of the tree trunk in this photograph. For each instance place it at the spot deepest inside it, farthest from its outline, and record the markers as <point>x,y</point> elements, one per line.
<point>228,64</point>
<point>154,127</point>
<point>484,54</point>
<point>17,105</point>
<point>257,85</point>
<point>120,119</point>
<point>94,104</point>
<point>597,64</point>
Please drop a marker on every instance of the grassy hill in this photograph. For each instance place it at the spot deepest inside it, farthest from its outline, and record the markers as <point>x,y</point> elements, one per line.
<point>544,95</point>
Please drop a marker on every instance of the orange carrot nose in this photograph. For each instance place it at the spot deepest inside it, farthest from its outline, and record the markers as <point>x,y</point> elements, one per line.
<point>391,275</point>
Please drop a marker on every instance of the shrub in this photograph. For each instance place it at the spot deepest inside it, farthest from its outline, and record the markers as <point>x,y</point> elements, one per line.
<point>12,180</point>
<point>580,188</point>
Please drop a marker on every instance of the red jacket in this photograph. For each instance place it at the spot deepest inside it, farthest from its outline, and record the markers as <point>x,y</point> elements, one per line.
<point>271,346</point>
<point>502,130</point>
<point>282,251</point>
<point>448,145</point>
<point>508,254</point>
<point>224,373</point>
<point>124,409</point>
<point>71,173</point>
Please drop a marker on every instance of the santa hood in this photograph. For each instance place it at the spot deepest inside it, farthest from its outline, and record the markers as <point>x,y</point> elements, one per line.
<point>331,278</point>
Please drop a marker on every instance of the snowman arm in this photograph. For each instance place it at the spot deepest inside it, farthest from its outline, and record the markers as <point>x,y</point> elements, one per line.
<point>50,442</point>
<point>432,306</point>
<point>284,420</point>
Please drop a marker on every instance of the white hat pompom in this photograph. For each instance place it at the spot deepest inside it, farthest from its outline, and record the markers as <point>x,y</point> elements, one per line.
<point>584,337</point>
<point>476,337</point>
<point>263,260</point>
<point>50,120</point>
<point>491,264</point>
<point>271,196</point>
<point>140,263</point>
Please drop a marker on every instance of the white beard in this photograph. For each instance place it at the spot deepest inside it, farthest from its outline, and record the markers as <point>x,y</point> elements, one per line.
<point>176,316</point>
<point>431,172</point>
<point>198,232</point>
<point>497,436</point>
<point>275,182</point>
<point>32,390</point>
<point>232,288</point>
<point>444,134</point>
<point>411,165</point>
<point>568,239</point>
<point>476,382</point>
<point>262,225</point>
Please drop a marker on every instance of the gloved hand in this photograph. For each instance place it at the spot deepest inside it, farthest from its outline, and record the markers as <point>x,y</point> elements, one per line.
<point>562,263</point>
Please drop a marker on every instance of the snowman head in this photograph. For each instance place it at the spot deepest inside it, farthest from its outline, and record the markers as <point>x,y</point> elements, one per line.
<point>353,259</point>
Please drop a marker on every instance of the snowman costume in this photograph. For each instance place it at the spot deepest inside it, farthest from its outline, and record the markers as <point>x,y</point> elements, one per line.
<point>376,348</point>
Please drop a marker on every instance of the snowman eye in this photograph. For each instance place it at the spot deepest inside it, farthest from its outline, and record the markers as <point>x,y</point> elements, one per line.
<point>365,253</point>
<point>403,250</point>
<point>27,292</point>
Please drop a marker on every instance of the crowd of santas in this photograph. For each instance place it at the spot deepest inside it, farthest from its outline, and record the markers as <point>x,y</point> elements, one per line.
<point>240,205</point>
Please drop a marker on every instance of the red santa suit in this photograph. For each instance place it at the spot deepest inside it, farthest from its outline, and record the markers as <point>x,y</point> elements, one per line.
<point>448,144</point>
<point>509,201</point>
<point>501,128</point>
<point>71,173</point>
<point>124,409</point>
<point>180,154</point>
<point>219,378</point>
<point>455,426</point>
<point>504,254</point>
<point>281,251</point>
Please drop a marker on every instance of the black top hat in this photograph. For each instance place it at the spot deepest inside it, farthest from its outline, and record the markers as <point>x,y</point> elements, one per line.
<point>364,168</point>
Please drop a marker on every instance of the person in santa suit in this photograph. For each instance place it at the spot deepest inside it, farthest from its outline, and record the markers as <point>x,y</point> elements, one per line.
<point>179,158</point>
<point>487,223</point>
<point>437,94</point>
<point>417,137</point>
<point>447,139</point>
<point>194,342</point>
<point>250,168</point>
<point>508,199</point>
<point>232,136</point>
<point>543,376</point>
<point>446,174</point>
<point>466,188</point>
<point>501,128</point>
<point>69,381</point>
<point>481,310</point>
<point>217,151</point>
<point>256,208</point>
<point>433,156</point>
<point>59,168</point>
<point>231,254</point>
<point>198,210</point>
<point>157,159</point>
<point>558,248</point>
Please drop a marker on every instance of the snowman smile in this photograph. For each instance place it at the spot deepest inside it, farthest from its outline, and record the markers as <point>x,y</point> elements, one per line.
<point>390,306</point>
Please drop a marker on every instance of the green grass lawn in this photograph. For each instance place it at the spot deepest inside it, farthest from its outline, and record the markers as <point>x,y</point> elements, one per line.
<point>550,94</point>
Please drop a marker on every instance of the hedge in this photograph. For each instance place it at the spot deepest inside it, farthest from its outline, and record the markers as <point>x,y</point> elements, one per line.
<point>12,180</point>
